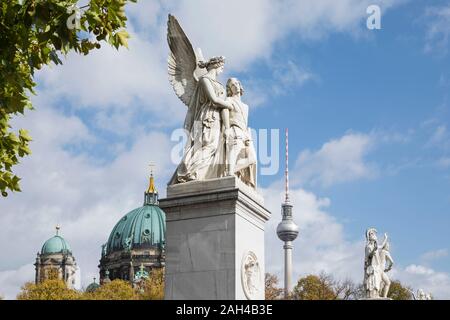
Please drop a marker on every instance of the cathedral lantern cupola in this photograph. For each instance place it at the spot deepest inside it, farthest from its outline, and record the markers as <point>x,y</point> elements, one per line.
<point>55,260</point>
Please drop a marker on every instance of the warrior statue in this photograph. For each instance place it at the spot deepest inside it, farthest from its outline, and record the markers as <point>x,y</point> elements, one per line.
<point>216,125</point>
<point>376,280</point>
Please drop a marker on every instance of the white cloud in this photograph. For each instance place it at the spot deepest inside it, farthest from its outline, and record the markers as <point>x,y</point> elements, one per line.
<point>434,255</point>
<point>444,162</point>
<point>12,280</point>
<point>116,86</point>
<point>87,197</point>
<point>285,77</point>
<point>438,29</point>
<point>244,31</point>
<point>321,244</point>
<point>124,84</point>
<point>144,15</point>
<point>315,19</point>
<point>419,270</point>
<point>432,281</point>
<point>439,135</point>
<point>339,160</point>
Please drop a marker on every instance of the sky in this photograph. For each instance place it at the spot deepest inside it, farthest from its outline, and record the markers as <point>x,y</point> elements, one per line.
<point>368,113</point>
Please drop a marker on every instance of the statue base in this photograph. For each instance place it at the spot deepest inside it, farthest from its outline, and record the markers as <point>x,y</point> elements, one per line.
<point>214,240</point>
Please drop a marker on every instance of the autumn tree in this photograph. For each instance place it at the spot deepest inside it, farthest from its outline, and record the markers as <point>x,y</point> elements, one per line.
<point>273,292</point>
<point>314,287</point>
<point>347,289</point>
<point>33,34</point>
<point>51,289</point>
<point>114,290</point>
<point>398,291</point>
<point>153,287</point>
<point>52,274</point>
<point>325,287</point>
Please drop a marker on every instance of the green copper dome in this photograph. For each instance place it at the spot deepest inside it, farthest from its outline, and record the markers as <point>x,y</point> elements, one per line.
<point>142,227</point>
<point>92,287</point>
<point>56,244</point>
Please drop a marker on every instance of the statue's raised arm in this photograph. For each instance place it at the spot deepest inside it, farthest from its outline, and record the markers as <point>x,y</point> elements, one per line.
<point>182,62</point>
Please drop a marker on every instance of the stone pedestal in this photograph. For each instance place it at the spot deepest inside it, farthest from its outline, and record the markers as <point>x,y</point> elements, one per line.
<point>214,240</point>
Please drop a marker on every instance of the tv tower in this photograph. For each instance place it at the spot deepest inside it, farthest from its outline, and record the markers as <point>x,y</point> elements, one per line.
<point>287,230</point>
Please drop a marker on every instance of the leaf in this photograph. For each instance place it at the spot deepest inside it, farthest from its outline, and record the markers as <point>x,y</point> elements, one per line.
<point>123,38</point>
<point>23,134</point>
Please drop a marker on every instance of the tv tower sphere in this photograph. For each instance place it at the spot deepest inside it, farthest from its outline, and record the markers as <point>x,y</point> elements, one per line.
<point>287,230</point>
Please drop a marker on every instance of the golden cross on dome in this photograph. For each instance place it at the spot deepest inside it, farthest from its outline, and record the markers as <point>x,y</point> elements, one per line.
<point>151,187</point>
<point>151,165</point>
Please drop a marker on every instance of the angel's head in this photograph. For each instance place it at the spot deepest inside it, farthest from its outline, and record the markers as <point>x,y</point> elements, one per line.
<point>213,63</point>
<point>234,87</point>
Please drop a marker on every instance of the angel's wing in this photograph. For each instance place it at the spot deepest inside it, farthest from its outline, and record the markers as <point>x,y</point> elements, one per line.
<point>182,61</point>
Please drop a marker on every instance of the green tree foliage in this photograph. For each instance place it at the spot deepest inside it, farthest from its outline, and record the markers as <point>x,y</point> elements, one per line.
<point>52,289</point>
<point>272,292</point>
<point>398,291</point>
<point>34,33</point>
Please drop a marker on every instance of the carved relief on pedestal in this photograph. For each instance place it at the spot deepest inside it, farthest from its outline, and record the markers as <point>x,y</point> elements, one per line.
<point>251,275</point>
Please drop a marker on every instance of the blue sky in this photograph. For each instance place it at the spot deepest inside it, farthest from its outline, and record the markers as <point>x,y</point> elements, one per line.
<point>368,113</point>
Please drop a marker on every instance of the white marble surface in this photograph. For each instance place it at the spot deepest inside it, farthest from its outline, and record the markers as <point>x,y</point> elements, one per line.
<point>377,263</point>
<point>219,142</point>
<point>209,229</point>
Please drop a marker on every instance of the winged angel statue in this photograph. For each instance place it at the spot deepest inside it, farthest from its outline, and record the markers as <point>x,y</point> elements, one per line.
<point>219,142</point>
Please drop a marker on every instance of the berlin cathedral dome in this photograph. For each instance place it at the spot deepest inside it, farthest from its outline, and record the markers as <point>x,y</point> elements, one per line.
<point>137,241</point>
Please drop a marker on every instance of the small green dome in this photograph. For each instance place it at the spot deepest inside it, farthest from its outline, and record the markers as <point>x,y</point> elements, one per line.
<point>140,228</point>
<point>56,244</point>
<point>92,287</point>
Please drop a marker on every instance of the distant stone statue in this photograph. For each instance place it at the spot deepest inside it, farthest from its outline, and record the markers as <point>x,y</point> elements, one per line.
<point>377,263</point>
<point>212,120</point>
<point>421,295</point>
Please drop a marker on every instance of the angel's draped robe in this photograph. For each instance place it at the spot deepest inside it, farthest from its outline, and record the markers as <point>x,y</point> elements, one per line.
<point>202,159</point>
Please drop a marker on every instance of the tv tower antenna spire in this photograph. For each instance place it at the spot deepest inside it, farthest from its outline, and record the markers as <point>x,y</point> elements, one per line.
<point>287,230</point>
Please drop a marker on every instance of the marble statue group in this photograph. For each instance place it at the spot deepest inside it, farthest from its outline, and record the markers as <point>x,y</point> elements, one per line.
<point>219,143</point>
<point>377,263</point>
